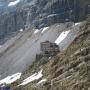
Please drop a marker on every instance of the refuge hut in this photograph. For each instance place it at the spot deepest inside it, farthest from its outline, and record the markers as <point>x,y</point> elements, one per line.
<point>49,49</point>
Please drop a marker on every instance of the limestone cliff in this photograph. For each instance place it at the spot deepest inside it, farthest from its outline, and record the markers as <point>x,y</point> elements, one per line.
<point>39,13</point>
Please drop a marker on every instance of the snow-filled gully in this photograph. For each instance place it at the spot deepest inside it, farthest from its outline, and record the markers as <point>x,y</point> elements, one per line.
<point>33,77</point>
<point>61,37</point>
<point>10,79</point>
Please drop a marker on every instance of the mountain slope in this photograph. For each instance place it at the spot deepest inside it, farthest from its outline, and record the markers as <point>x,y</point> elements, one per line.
<point>69,70</point>
<point>20,52</point>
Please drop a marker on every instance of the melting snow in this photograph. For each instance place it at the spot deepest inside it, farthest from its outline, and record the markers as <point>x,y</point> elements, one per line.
<point>44,29</point>
<point>10,79</point>
<point>33,77</point>
<point>36,31</point>
<point>21,30</point>
<point>77,24</point>
<point>14,3</point>
<point>62,37</point>
<point>43,80</point>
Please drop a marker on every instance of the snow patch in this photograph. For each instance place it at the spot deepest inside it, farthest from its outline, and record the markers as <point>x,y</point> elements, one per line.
<point>77,24</point>
<point>44,29</point>
<point>36,31</point>
<point>51,15</point>
<point>13,3</point>
<point>33,77</point>
<point>43,80</point>
<point>61,37</point>
<point>10,79</point>
<point>21,30</point>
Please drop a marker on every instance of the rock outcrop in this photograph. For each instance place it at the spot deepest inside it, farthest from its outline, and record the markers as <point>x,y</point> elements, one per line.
<point>39,13</point>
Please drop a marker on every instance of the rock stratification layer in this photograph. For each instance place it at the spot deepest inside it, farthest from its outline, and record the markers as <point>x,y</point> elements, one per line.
<point>39,13</point>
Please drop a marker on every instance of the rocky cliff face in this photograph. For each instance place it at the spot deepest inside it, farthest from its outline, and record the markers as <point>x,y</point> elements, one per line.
<point>39,13</point>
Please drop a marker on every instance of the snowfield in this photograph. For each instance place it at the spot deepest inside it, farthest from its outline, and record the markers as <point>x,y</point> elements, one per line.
<point>43,80</point>
<point>33,77</point>
<point>61,37</point>
<point>10,79</point>
<point>13,3</point>
<point>45,29</point>
<point>76,24</point>
<point>36,31</point>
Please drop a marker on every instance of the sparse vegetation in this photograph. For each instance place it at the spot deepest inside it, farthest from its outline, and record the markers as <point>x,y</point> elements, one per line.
<point>68,70</point>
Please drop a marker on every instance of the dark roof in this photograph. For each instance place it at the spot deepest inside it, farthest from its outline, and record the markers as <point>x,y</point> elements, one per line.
<point>46,42</point>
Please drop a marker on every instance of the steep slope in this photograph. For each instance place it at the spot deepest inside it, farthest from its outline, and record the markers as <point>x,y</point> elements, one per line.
<point>20,52</point>
<point>69,70</point>
<point>17,54</point>
<point>72,66</point>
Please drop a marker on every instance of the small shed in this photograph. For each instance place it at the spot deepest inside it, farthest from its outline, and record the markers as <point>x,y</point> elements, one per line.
<point>49,49</point>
